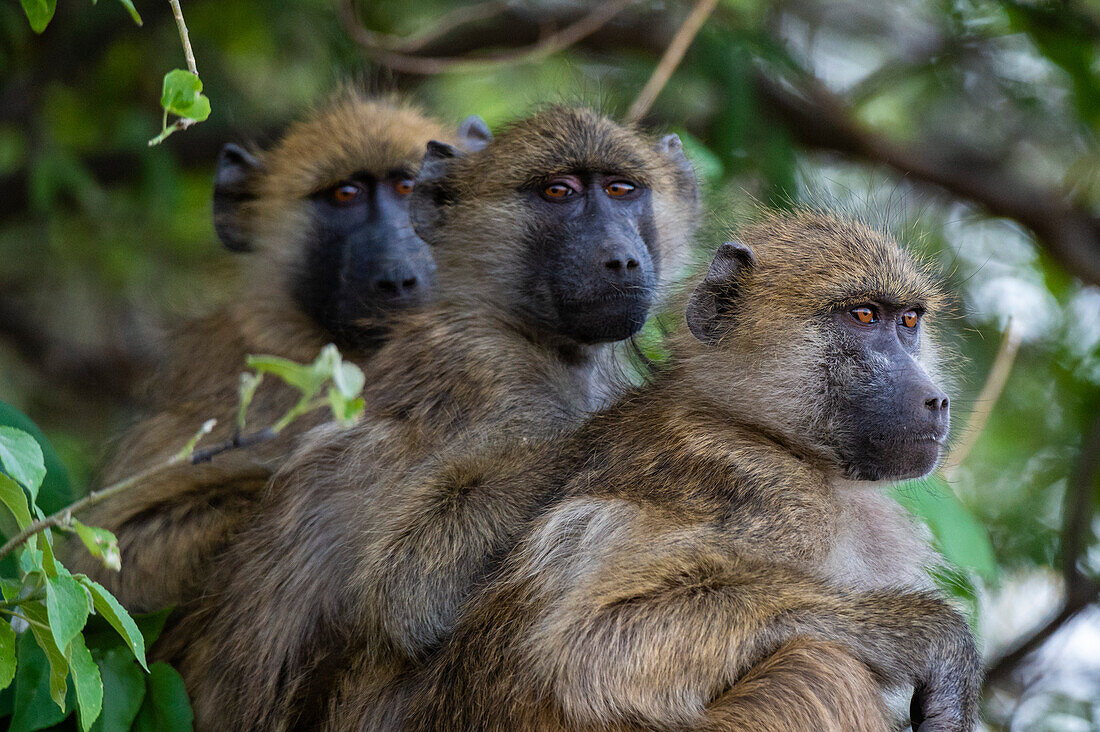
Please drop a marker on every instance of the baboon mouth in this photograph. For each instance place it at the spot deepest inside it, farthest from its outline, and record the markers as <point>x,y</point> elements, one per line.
<point>603,319</point>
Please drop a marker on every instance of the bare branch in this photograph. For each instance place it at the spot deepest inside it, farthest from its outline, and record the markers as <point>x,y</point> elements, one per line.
<point>671,59</point>
<point>818,118</point>
<point>551,44</point>
<point>987,399</point>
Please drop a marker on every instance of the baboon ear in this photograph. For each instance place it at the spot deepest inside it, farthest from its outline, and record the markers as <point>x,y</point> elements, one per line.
<point>233,179</point>
<point>672,149</point>
<point>713,298</point>
<point>431,194</point>
<point>474,134</point>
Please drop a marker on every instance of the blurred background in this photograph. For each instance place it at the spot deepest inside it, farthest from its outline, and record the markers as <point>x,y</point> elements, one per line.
<point>971,127</point>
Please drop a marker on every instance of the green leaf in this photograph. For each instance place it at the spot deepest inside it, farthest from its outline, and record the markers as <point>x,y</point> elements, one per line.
<point>49,562</point>
<point>960,538</point>
<point>123,691</point>
<point>302,377</point>
<point>106,605</point>
<point>12,496</point>
<point>248,385</point>
<point>129,5</point>
<point>10,588</point>
<point>166,707</point>
<point>59,664</point>
<point>182,97</point>
<point>39,13</point>
<point>100,543</point>
<point>67,608</point>
<point>348,379</point>
<point>31,706</point>
<point>344,410</point>
<point>8,643</point>
<point>21,458</point>
<point>56,491</point>
<point>86,682</point>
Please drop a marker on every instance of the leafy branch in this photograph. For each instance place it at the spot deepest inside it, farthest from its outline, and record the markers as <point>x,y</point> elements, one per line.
<point>55,605</point>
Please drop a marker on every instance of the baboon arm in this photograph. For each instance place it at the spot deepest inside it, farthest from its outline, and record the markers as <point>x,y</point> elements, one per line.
<point>805,685</point>
<point>656,629</point>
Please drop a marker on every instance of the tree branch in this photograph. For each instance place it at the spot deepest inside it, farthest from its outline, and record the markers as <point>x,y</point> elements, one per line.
<point>177,13</point>
<point>818,118</point>
<point>672,57</point>
<point>456,18</point>
<point>586,25</point>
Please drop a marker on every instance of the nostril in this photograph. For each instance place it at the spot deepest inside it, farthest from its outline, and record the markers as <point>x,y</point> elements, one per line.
<point>936,404</point>
<point>409,284</point>
<point>632,263</point>
<point>614,264</point>
<point>387,286</point>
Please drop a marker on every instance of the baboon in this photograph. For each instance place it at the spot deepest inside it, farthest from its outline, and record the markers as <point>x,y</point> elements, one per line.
<point>332,256</point>
<point>551,243</point>
<point>731,508</point>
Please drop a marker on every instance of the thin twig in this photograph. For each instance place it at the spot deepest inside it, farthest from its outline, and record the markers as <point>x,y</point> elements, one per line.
<point>456,18</point>
<point>62,518</point>
<point>177,13</point>
<point>551,44</point>
<point>671,59</point>
<point>987,399</point>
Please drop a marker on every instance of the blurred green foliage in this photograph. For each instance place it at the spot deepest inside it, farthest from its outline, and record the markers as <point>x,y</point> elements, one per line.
<point>105,243</point>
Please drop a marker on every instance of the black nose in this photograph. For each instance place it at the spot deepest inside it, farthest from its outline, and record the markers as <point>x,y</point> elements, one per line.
<point>395,285</point>
<point>621,264</point>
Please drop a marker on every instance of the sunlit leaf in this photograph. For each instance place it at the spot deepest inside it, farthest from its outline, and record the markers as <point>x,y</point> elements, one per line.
<point>67,608</point>
<point>39,13</point>
<point>15,498</point>
<point>21,458</point>
<point>245,391</point>
<point>100,543</point>
<point>129,5</point>
<point>86,683</point>
<point>113,612</point>
<point>182,95</point>
<point>302,377</point>
<point>8,643</point>
<point>59,664</point>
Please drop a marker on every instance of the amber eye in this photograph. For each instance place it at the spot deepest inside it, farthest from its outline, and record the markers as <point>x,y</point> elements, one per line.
<point>618,189</point>
<point>557,190</point>
<point>403,187</point>
<point>909,318</point>
<point>864,315</point>
<point>346,192</point>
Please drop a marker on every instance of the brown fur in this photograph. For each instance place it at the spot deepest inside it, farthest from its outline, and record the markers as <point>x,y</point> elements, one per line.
<point>708,565</point>
<point>171,526</point>
<point>348,558</point>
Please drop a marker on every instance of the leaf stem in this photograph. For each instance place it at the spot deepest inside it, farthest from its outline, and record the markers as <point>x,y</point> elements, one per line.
<point>177,13</point>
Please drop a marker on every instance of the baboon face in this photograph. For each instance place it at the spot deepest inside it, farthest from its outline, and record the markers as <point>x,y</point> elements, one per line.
<point>566,219</point>
<point>822,324</point>
<point>590,254</point>
<point>331,201</point>
<point>893,419</point>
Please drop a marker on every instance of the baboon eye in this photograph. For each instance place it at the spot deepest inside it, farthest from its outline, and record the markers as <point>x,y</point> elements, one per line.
<point>557,191</point>
<point>864,314</point>
<point>403,187</point>
<point>909,318</point>
<point>346,192</point>
<point>619,188</point>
